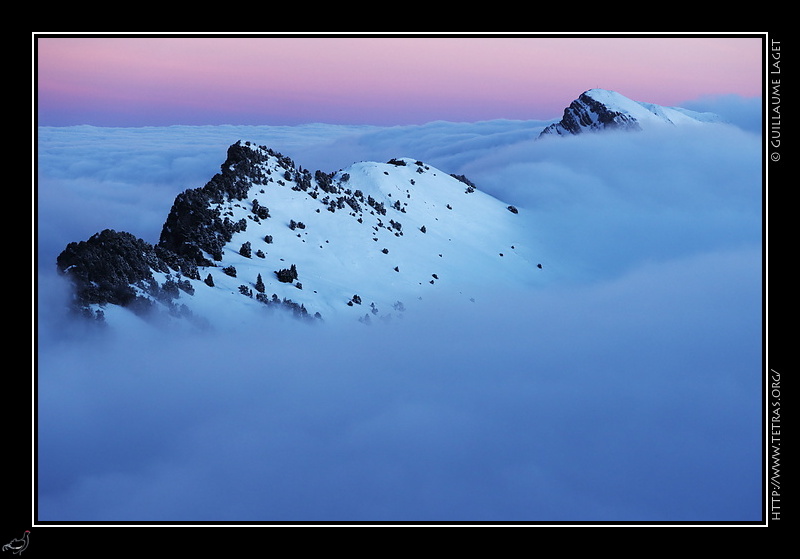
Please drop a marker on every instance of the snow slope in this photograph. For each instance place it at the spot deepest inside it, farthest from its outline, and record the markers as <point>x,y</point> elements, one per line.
<point>370,241</point>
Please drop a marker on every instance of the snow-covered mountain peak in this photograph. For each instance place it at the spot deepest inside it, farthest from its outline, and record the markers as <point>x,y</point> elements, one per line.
<point>603,109</point>
<point>368,241</point>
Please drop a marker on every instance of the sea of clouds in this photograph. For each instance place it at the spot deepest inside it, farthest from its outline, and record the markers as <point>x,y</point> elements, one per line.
<point>626,387</point>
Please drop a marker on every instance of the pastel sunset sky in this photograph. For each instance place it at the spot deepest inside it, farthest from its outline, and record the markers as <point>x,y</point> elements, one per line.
<point>625,387</point>
<point>388,80</point>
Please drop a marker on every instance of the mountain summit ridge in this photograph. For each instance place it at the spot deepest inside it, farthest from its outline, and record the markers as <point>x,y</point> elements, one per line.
<point>604,109</point>
<point>365,241</point>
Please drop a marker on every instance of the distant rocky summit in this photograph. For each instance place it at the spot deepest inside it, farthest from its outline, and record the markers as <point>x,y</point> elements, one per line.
<point>601,109</point>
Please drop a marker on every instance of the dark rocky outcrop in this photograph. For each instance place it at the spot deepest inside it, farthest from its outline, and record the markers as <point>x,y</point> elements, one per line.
<point>115,267</point>
<point>195,226</point>
<point>118,268</point>
<point>287,275</point>
<point>586,113</point>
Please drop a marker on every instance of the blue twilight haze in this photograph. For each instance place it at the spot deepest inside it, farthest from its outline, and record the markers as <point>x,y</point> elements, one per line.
<point>626,388</point>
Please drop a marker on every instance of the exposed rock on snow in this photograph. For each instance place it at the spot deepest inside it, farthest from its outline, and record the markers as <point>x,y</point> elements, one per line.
<point>377,229</point>
<point>601,109</point>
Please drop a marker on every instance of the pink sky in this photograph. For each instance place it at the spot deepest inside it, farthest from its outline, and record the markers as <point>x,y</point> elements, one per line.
<point>144,81</point>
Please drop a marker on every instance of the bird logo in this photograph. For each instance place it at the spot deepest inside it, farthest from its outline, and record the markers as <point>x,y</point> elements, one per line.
<point>17,545</point>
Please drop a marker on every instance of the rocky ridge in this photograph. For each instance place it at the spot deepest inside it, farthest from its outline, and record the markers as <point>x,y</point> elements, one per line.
<point>601,109</point>
<point>364,241</point>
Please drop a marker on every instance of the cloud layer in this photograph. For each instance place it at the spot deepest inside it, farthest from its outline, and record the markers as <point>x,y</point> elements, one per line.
<point>625,389</point>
